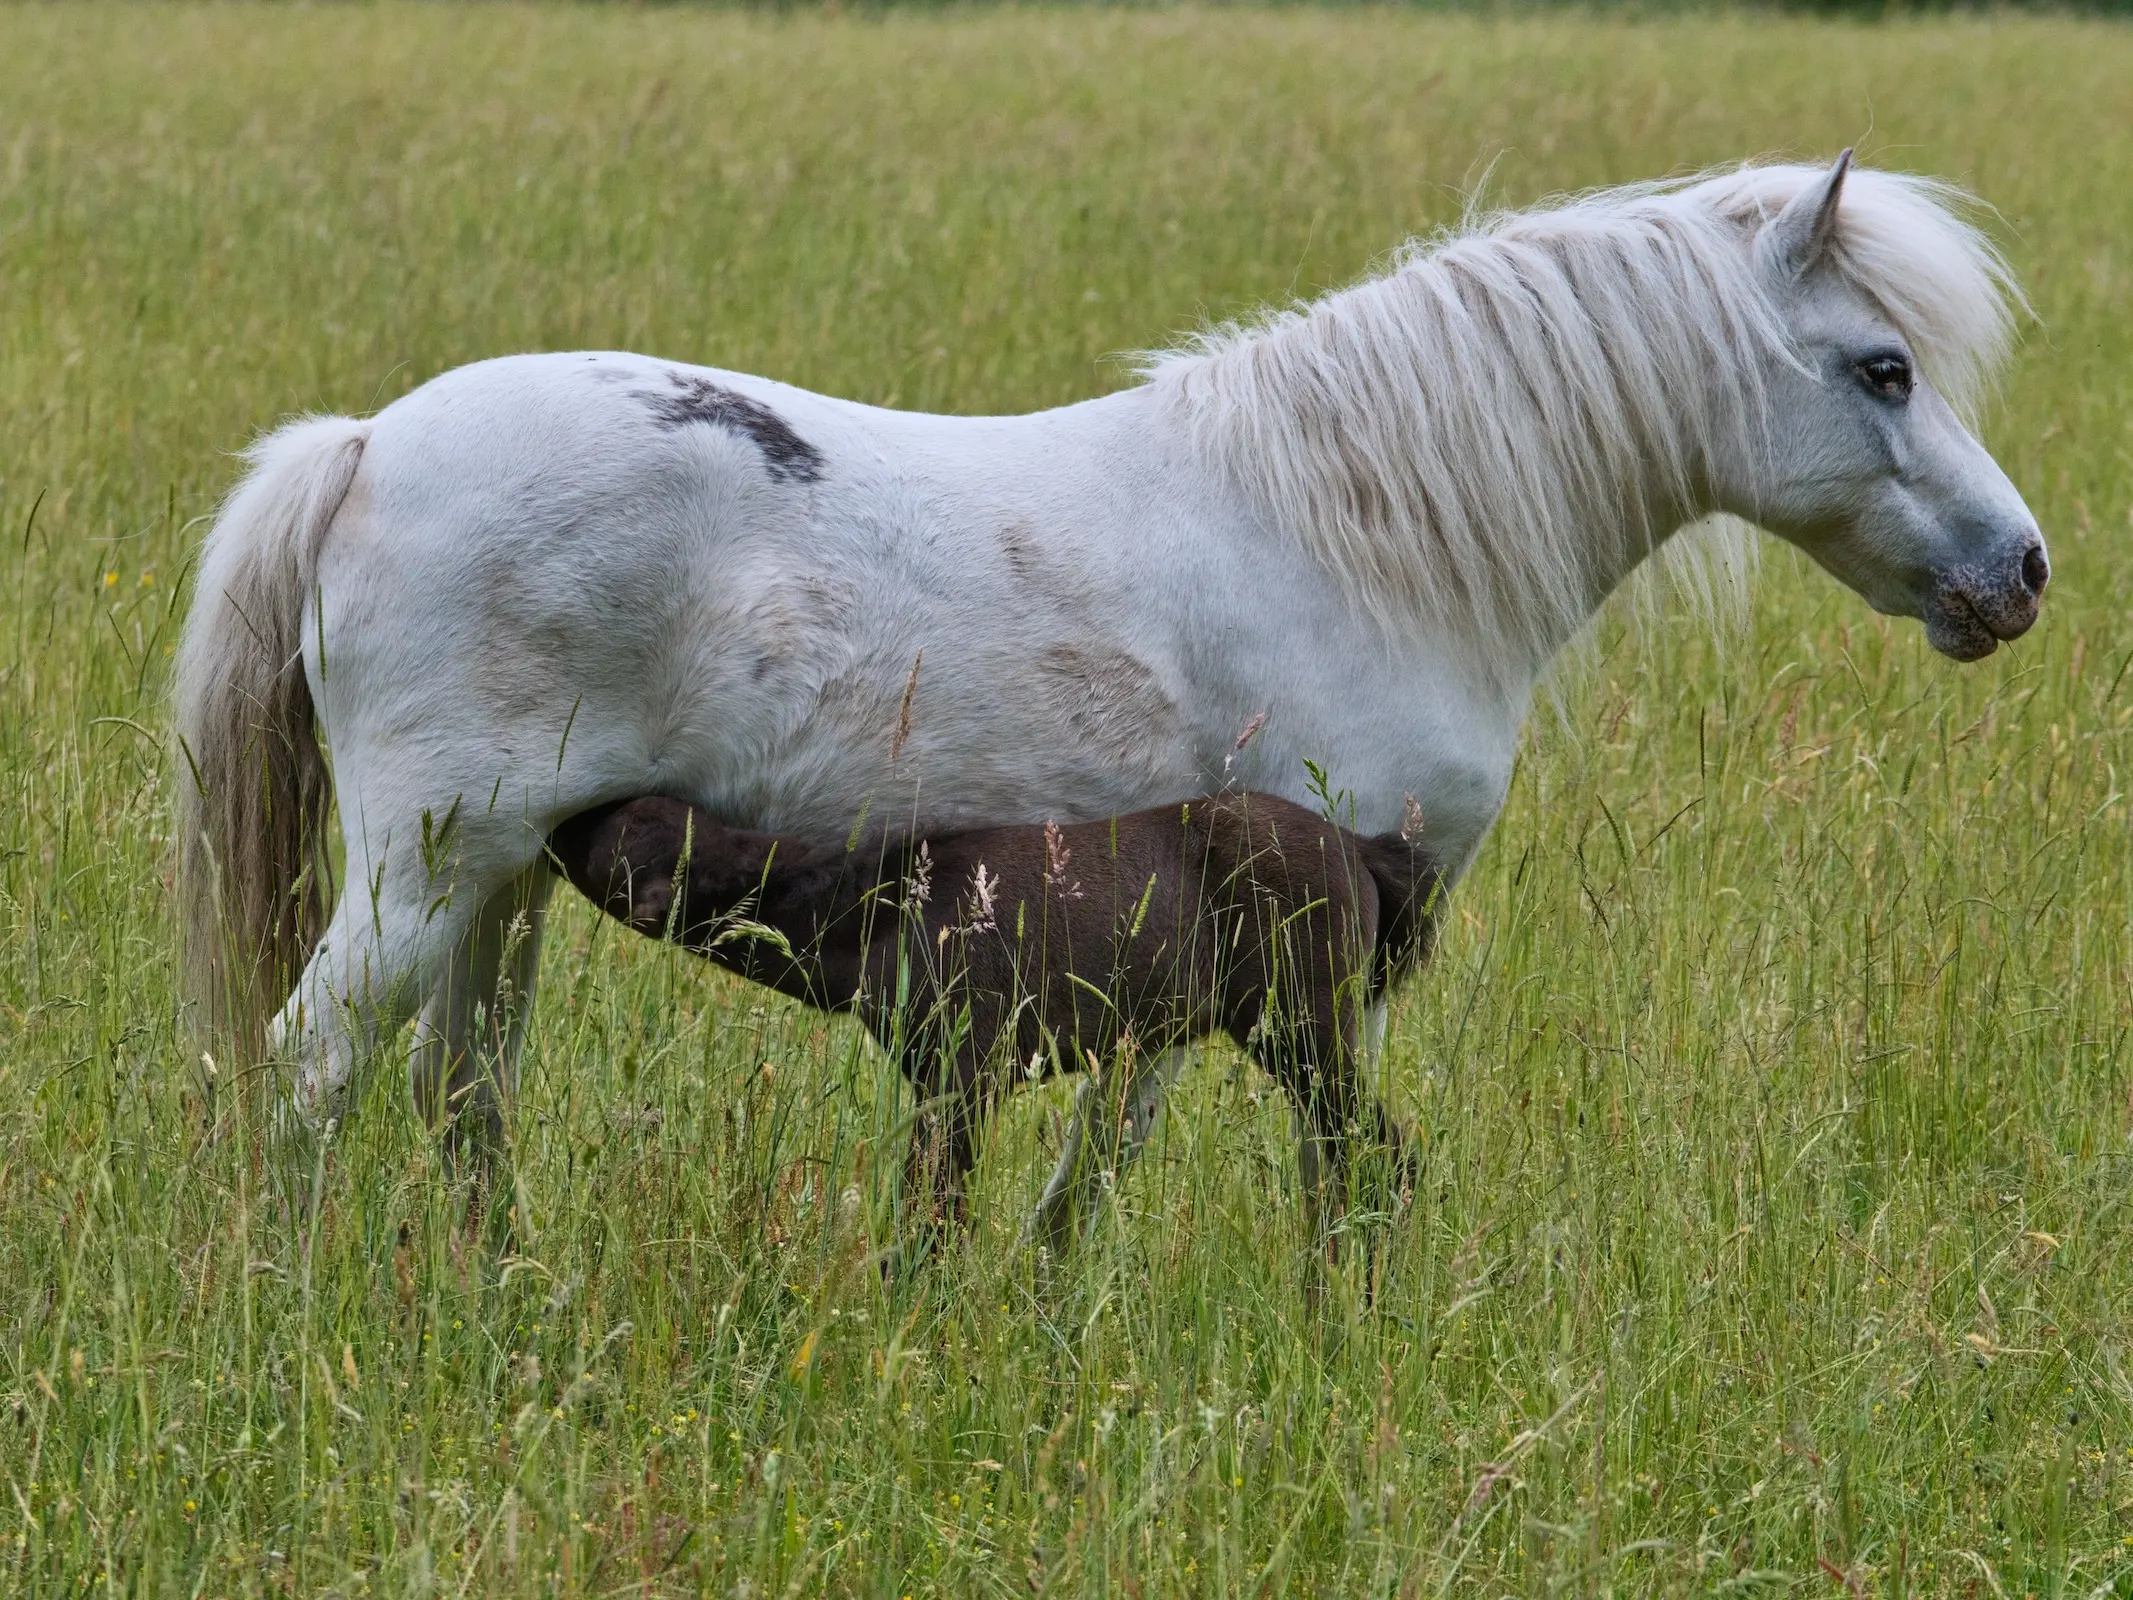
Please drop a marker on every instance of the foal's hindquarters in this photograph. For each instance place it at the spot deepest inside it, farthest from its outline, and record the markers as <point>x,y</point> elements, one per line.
<point>1273,937</point>
<point>985,958</point>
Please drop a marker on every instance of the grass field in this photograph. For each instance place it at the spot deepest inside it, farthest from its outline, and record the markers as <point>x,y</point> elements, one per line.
<point>1773,1079</point>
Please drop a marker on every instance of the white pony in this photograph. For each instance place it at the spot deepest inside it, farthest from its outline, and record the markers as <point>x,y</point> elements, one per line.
<point>544,582</point>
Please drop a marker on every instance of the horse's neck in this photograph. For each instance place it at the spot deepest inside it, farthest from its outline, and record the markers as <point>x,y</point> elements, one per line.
<point>1518,664</point>
<point>1618,549</point>
<point>1492,471</point>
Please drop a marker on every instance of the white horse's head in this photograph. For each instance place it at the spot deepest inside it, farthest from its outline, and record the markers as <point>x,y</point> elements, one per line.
<point>1866,464</point>
<point>1491,436</point>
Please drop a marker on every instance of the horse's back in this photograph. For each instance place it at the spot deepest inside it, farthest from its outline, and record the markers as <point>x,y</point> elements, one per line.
<point>730,580</point>
<point>602,461</point>
<point>555,560</point>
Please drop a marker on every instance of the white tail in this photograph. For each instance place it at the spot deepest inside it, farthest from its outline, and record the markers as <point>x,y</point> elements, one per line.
<point>253,787</point>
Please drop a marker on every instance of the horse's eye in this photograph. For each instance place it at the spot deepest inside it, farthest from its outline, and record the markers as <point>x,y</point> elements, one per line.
<point>1886,377</point>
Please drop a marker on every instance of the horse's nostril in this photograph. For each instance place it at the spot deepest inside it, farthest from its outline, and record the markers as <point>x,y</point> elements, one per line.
<point>2036,570</point>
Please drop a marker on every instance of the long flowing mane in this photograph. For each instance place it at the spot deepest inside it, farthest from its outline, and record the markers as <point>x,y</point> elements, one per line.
<point>1458,439</point>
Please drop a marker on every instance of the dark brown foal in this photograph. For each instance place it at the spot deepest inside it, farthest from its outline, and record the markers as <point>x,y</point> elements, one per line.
<point>982,957</point>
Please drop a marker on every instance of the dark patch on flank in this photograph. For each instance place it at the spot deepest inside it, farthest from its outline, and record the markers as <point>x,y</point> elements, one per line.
<point>788,457</point>
<point>1112,701</point>
<point>1020,548</point>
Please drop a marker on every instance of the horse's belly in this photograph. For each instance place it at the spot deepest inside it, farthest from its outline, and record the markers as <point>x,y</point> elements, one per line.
<point>938,728</point>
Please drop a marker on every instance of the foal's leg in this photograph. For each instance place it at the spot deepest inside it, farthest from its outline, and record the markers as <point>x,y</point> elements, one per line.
<point>1314,1059</point>
<point>1333,1114</point>
<point>1322,1174</point>
<point>1119,1123</point>
<point>1331,1118</point>
<point>949,1083</point>
<point>463,1064</point>
<point>943,1150</point>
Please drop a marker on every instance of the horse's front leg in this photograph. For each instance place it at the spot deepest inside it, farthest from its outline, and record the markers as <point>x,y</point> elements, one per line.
<point>1333,1119</point>
<point>1114,1117</point>
<point>1406,1165</point>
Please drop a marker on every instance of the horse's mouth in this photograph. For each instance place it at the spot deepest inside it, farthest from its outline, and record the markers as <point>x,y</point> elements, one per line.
<point>1968,622</point>
<point>1954,628</point>
<point>1960,631</point>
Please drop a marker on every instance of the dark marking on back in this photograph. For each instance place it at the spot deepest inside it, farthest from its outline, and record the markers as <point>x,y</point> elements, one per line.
<point>788,457</point>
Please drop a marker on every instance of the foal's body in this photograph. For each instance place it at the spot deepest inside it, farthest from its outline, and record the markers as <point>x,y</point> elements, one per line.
<point>985,956</point>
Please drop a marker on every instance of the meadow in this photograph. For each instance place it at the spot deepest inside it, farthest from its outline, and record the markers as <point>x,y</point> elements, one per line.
<point>1772,1078</point>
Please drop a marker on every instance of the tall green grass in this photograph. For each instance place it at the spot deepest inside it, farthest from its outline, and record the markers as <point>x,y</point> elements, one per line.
<point>1773,1077</point>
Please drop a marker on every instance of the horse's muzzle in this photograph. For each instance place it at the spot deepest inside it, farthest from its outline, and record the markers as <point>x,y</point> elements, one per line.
<point>1978,605</point>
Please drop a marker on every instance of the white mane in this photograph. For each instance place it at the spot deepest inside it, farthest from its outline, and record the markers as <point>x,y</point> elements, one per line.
<point>1460,438</point>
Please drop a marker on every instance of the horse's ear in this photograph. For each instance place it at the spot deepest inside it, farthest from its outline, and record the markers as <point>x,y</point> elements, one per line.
<point>1795,239</point>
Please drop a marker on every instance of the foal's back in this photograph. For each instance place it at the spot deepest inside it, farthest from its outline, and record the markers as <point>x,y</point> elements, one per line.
<point>1172,921</point>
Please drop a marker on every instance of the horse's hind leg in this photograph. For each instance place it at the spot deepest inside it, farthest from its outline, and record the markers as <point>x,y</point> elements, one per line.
<point>376,958</point>
<point>411,891</point>
<point>463,1064</point>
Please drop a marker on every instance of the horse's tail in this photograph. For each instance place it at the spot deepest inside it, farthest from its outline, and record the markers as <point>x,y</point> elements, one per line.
<point>253,786</point>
